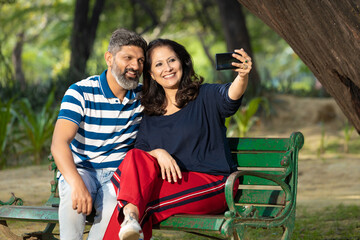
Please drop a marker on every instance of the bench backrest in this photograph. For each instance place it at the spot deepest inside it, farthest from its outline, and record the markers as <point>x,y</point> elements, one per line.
<point>276,158</point>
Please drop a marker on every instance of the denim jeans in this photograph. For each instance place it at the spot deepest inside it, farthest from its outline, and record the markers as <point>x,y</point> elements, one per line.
<point>103,194</point>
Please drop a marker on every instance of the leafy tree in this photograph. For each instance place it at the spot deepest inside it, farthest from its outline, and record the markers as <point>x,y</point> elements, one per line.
<point>27,28</point>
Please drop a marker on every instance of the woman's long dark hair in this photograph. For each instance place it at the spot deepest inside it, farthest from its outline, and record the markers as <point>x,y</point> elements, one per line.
<point>153,95</point>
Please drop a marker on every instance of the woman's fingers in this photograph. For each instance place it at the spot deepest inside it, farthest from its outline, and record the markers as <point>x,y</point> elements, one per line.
<point>244,67</point>
<point>245,64</point>
<point>169,168</point>
<point>163,172</point>
<point>171,172</point>
<point>178,171</point>
<point>175,171</point>
<point>168,173</point>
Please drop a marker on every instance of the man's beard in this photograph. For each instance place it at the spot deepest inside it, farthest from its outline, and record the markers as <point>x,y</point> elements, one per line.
<point>126,83</point>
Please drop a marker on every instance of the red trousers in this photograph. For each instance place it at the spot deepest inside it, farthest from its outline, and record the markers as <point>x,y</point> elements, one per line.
<point>138,181</point>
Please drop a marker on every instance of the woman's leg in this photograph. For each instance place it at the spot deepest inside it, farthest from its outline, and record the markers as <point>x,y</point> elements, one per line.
<point>196,193</point>
<point>136,176</point>
<point>141,184</point>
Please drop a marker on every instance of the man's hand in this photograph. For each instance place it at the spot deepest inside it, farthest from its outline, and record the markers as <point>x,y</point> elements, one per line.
<point>81,198</point>
<point>169,168</point>
<point>64,133</point>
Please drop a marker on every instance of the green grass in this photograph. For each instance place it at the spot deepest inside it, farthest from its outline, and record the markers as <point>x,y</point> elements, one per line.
<point>337,222</point>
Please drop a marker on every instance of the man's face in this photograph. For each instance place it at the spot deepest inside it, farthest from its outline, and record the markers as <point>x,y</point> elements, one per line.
<point>127,66</point>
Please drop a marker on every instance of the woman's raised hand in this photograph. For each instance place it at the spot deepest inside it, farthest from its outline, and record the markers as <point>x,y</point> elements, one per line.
<point>245,65</point>
<point>239,85</point>
<point>168,166</point>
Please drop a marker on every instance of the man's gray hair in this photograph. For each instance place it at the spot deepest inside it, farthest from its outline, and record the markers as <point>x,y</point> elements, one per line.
<point>123,37</point>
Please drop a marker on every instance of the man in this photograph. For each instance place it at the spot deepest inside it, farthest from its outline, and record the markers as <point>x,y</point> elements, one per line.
<point>97,124</point>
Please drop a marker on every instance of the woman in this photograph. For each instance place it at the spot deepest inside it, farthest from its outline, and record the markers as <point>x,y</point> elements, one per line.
<point>181,158</point>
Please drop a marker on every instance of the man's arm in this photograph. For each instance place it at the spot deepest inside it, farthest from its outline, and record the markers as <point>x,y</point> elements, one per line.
<point>64,133</point>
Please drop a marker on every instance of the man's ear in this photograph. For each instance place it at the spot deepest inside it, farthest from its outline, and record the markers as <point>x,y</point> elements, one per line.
<point>108,58</point>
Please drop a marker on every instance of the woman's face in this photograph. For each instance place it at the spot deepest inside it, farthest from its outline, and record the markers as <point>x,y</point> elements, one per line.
<point>166,68</point>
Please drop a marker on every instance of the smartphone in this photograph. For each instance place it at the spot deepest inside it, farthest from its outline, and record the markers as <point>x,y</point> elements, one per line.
<point>224,60</point>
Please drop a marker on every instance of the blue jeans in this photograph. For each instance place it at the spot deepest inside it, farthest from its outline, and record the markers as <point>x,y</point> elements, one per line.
<point>103,194</point>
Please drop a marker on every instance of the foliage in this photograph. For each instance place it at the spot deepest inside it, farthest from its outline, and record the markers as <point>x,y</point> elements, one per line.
<point>245,117</point>
<point>36,128</point>
<point>6,121</point>
<point>47,26</point>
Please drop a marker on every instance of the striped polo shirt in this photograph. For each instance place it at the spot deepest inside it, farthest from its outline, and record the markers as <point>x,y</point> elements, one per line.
<point>107,126</point>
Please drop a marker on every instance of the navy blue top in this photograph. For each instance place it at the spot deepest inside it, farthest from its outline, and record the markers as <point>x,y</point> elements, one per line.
<point>195,135</point>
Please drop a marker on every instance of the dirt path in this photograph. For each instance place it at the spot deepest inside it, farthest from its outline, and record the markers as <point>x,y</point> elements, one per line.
<point>31,183</point>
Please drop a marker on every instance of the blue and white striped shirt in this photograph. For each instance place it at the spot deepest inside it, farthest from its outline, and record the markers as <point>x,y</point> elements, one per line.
<point>107,126</point>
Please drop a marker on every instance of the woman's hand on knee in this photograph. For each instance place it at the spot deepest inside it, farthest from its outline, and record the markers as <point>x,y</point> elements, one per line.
<point>170,170</point>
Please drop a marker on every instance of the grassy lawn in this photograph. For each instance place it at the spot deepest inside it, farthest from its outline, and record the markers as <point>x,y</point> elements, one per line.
<point>338,222</point>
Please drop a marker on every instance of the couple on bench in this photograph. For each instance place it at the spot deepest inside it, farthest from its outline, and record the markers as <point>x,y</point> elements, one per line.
<point>140,153</point>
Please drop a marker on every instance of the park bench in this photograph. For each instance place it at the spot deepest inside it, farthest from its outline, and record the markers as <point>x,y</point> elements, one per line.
<point>267,176</point>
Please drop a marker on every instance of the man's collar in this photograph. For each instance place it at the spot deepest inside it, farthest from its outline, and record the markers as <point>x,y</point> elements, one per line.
<point>106,91</point>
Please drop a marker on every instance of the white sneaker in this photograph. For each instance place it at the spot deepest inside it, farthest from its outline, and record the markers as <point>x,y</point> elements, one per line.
<point>131,230</point>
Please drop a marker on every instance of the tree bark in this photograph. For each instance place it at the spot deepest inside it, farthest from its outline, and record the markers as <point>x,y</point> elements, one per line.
<point>83,36</point>
<point>326,36</point>
<point>237,36</point>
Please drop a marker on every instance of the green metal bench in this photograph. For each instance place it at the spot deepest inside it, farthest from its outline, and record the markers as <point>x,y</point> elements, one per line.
<point>267,176</point>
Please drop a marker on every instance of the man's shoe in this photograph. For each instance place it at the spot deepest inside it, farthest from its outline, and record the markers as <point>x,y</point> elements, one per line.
<point>131,230</point>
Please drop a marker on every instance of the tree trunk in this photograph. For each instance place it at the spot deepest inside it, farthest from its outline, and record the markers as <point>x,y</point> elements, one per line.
<point>237,36</point>
<point>326,36</point>
<point>83,36</point>
<point>17,61</point>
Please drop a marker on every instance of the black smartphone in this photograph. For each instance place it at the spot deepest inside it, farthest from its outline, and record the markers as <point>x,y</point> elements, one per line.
<point>224,60</point>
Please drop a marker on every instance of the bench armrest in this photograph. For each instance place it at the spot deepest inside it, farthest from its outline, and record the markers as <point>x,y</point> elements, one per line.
<point>245,212</point>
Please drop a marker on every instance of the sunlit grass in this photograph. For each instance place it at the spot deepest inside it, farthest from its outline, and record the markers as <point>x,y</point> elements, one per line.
<point>335,222</point>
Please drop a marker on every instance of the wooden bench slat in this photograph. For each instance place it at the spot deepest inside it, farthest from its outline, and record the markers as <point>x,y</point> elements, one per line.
<point>269,170</point>
<point>260,187</point>
<point>252,180</point>
<point>193,222</point>
<point>256,196</point>
<point>258,144</point>
<point>267,212</point>
<point>261,159</point>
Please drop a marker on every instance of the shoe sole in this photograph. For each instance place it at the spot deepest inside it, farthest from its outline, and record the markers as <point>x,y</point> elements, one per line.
<point>130,236</point>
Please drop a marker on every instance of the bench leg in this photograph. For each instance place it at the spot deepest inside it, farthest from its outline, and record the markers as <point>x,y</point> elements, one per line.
<point>289,227</point>
<point>4,228</point>
<point>47,234</point>
<point>238,233</point>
